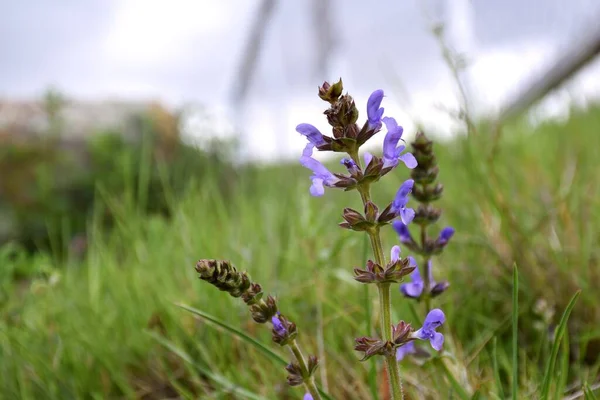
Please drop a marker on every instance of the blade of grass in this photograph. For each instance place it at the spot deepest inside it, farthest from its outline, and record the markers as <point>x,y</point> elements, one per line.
<point>515,334</point>
<point>236,332</point>
<point>458,388</point>
<point>589,392</point>
<point>499,389</point>
<point>219,379</point>
<point>560,331</point>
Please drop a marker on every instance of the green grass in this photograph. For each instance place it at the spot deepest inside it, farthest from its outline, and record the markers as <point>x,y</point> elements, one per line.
<point>109,327</point>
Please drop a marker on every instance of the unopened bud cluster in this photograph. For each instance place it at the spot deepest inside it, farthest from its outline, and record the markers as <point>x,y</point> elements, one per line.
<point>224,276</point>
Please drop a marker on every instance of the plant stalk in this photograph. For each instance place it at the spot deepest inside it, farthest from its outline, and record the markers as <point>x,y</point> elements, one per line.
<point>385,303</point>
<point>309,381</point>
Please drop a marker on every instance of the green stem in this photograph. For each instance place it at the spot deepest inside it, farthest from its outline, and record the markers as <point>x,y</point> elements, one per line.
<point>386,329</point>
<point>309,381</point>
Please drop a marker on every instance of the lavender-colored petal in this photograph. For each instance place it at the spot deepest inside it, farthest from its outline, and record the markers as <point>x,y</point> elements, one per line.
<point>402,231</point>
<point>312,134</point>
<point>434,319</point>
<point>437,341</point>
<point>412,263</point>
<point>391,138</point>
<point>368,157</point>
<point>317,189</point>
<point>407,215</point>
<point>415,288</point>
<point>277,325</point>
<point>409,160</point>
<point>307,396</point>
<point>315,166</point>
<point>412,290</point>
<point>404,350</point>
<point>350,165</point>
<point>406,188</point>
<point>401,198</point>
<point>415,276</point>
<point>445,235</point>
<point>308,150</point>
<point>439,288</point>
<point>374,111</point>
<point>430,274</point>
<point>395,256</point>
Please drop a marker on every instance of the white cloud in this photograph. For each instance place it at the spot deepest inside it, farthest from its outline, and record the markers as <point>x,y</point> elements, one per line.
<point>155,31</point>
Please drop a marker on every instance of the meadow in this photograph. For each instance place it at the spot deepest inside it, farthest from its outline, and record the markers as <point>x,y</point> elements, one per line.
<point>112,324</point>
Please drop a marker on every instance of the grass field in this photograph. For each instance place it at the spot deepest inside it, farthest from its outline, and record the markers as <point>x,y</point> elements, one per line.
<point>108,326</point>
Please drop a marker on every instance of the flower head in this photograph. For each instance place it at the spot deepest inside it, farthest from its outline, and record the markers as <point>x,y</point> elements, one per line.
<point>401,200</point>
<point>414,289</point>
<point>395,253</point>
<point>321,175</point>
<point>392,153</point>
<point>405,349</point>
<point>445,236</point>
<point>307,396</point>
<point>374,109</point>
<point>434,319</point>
<point>312,134</point>
<point>350,165</point>
<point>403,232</point>
<point>278,325</point>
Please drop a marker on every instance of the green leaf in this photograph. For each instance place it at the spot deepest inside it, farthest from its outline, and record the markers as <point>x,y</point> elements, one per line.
<point>560,331</point>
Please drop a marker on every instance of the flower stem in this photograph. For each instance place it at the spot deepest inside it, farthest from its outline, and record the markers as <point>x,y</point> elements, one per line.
<point>309,381</point>
<point>386,329</point>
<point>385,302</point>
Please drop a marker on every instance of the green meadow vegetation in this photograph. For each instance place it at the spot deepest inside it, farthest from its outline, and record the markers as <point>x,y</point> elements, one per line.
<point>132,320</point>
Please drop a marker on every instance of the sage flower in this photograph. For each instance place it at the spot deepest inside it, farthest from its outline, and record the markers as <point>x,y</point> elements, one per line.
<point>321,175</point>
<point>392,153</point>
<point>434,319</point>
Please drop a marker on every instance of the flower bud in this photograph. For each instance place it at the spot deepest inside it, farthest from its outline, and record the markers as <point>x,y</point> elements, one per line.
<point>331,93</point>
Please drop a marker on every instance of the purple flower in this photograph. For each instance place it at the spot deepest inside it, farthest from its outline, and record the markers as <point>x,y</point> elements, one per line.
<point>312,134</point>
<point>401,200</point>
<point>395,253</point>
<point>374,111</point>
<point>414,289</point>
<point>278,326</point>
<point>391,151</point>
<point>368,157</point>
<point>307,396</point>
<point>445,236</point>
<point>403,232</point>
<point>406,349</point>
<point>434,319</point>
<point>350,165</point>
<point>321,175</point>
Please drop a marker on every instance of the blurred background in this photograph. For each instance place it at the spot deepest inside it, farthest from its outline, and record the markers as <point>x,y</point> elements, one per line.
<point>139,135</point>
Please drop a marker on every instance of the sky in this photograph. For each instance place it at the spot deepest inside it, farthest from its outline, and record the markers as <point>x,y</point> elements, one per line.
<point>186,53</point>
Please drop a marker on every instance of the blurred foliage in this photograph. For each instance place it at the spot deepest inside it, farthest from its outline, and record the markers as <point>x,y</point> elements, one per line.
<point>80,329</point>
<point>49,185</point>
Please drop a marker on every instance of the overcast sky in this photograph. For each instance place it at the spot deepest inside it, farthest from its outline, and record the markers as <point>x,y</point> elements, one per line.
<point>187,51</point>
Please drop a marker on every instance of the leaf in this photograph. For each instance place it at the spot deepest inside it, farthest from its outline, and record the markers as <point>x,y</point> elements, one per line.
<point>560,331</point>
